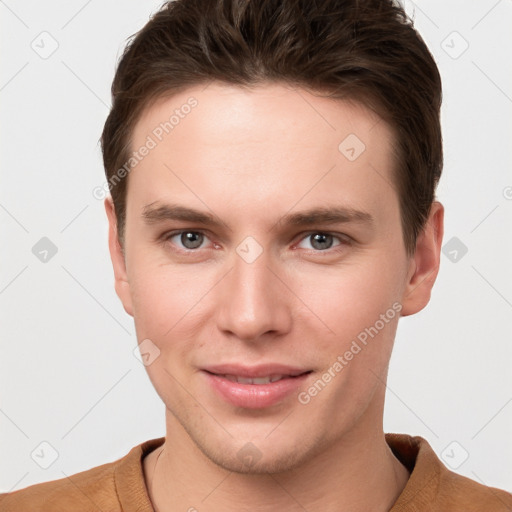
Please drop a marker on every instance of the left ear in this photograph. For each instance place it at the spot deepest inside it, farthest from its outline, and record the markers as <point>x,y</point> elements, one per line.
<point>424,264</point>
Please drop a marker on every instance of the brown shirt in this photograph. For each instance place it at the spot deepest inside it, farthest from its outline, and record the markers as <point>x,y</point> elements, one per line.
<point>120,486</point>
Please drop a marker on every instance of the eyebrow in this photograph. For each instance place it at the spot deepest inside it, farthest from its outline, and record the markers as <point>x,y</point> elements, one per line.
<point>156,212</point>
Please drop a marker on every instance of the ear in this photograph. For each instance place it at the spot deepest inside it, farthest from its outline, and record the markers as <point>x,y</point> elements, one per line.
<point>424,264</point>
<point>122,285</point>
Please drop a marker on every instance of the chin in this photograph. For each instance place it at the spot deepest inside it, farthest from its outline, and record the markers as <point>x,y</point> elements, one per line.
<point>264,466</point>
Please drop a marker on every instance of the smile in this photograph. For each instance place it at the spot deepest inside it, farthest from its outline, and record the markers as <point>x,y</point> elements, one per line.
<point>258,380</point>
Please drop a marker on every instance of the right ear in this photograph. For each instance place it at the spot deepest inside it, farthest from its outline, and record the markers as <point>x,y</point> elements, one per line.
<point>122,285</point>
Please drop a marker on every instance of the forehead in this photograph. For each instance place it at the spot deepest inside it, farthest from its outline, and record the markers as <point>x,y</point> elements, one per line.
<point>256,112</point>
<point>271,144</point>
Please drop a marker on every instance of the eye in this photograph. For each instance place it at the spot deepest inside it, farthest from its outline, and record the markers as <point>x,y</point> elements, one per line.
<point>189,240</point>
<point>321,241</point>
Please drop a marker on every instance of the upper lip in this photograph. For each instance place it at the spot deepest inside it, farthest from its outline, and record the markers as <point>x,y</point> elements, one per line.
<point>261,370</point>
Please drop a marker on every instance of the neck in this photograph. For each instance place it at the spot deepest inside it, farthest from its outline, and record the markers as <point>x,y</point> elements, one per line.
<point>356,473</point>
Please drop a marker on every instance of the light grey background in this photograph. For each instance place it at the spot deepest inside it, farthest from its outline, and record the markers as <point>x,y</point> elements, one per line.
<point>68,375</point>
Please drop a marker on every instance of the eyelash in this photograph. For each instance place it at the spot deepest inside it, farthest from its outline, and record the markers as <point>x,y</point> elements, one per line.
<point>344,240</point>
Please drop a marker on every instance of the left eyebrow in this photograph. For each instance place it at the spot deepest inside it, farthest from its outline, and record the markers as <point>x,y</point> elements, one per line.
<point>327,215</point>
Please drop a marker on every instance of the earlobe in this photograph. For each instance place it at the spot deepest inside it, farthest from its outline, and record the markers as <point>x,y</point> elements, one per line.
<point>424,264</point>
<point>122,285</point>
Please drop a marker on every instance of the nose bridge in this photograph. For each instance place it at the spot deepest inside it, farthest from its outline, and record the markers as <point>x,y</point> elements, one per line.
<point>253,300</point>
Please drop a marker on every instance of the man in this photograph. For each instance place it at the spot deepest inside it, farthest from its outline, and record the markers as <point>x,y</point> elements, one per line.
<point>272,169</point>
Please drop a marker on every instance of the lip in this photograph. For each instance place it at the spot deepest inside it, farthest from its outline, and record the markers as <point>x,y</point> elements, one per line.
<point>255,396</point>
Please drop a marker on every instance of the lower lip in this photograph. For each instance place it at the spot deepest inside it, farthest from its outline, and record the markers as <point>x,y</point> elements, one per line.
<point>255,396</point>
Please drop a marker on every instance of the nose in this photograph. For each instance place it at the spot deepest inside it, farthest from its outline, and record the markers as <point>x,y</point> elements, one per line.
<point>254,301</point>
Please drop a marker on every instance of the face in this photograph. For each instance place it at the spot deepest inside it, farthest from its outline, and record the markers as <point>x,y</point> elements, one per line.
<point>263,232</point>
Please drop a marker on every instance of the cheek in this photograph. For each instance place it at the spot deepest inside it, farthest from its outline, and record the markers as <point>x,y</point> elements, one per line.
<point>359,303</point>
<point>169,303</point>
<point>165,309</point>
<point>161,299</point>
<point>348,298</point>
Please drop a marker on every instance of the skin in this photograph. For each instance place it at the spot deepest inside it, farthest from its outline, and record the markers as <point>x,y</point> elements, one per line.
<point>249,157</point>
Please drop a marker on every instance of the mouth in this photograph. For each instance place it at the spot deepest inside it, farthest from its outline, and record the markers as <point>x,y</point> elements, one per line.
<point>256,392</point>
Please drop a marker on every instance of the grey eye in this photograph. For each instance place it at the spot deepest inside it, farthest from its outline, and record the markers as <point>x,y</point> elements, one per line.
<point>321,241</point>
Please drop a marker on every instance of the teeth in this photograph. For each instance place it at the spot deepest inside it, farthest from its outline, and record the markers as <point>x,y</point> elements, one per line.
<point>256,380</point>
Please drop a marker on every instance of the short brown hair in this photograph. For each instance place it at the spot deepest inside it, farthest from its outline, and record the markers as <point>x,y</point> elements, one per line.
<point>362,50</point>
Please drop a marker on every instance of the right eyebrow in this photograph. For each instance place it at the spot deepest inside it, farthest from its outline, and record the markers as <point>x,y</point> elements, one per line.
<point>154,213</point>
